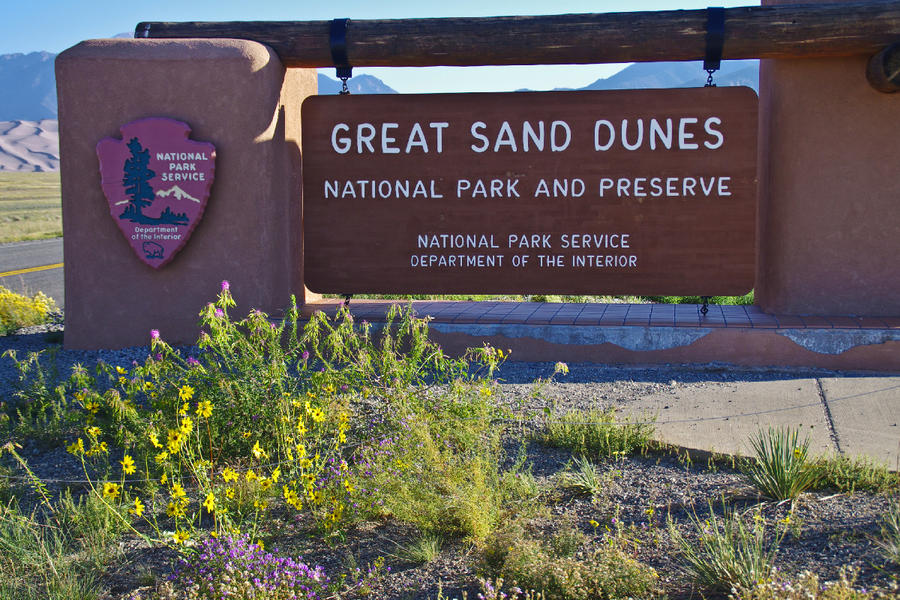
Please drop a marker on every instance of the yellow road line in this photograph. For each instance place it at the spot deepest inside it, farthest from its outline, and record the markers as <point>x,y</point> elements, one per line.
<point>31,270</point>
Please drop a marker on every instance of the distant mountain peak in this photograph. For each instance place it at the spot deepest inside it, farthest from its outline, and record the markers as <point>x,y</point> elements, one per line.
<point>179,194</point>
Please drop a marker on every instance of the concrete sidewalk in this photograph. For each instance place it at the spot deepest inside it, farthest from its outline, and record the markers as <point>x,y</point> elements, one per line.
<point>853,416</point>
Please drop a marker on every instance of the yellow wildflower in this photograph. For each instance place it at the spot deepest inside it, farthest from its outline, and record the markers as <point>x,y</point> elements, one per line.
<point>204,409</point>
<point>185,392</point>
<point>276,474</point>
<point>186,425</point>
<point>348,486</point>
<point>92,406</point>
<point>122,381</point>
<point>210,502</point>
<point>93,431</point>
<point>229,475</point>
<point>161,457</point>
<point>265,483</point>
<point>594,523</point>
<point>148,386</point>
<point>138,507</point>
<point>180,537</point>
<point>561,367</point>
<point>76,447</point>
<point>184,409</point>
<point>229,493</point>
<point>154,440</point>
<point>127,465</point>
<point>251,475</point>
<point>258,452</point>
<point>111,490</point>
<point>164,479</point>
<point>120,370</point>
<point>177,491</point>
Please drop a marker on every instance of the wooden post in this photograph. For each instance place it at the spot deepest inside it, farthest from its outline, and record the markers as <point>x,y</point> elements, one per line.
<point>788,31</point>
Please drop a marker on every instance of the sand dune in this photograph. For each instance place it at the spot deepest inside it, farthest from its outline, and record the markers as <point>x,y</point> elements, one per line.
<point>29,145</point>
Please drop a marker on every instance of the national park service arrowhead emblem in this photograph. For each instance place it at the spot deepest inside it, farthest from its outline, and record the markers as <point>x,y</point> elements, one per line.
<point>157,182</point>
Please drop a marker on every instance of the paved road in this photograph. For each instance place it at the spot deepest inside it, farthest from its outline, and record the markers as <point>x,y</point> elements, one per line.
<point>29,267</point>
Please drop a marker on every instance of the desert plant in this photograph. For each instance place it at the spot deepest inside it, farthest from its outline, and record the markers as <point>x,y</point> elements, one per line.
<point>726,552</point>
<point>889,541</point>
<point>424,549</point>
<point>850,474</point>
<point>807,586</point>
<point>584,478</point>
<point>598,433</point>
<point>561,571</point>
<point>780,468</point>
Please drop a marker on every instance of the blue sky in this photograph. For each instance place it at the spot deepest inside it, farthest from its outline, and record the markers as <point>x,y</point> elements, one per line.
<point>54,25</point>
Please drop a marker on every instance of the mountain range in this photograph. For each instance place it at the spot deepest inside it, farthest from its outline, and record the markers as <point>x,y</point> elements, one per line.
<point>28,101</point>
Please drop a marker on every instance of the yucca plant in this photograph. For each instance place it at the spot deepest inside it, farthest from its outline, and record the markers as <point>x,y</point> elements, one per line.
<point>889,542</point>
<point>728,552</point>
<point>584,478</point>
<point>780,469</point>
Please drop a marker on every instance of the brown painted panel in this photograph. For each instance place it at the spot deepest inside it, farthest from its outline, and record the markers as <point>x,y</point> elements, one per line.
<point>629,192</point>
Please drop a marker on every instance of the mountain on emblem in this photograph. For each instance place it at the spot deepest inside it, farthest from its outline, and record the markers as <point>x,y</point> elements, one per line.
<point>157,183</point>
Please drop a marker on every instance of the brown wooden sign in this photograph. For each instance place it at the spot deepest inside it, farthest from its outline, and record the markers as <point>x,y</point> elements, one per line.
<point>625,192</point>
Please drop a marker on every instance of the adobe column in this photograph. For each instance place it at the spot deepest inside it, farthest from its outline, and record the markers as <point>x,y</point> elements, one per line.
<point>829,224</point>
<point>234,94</point>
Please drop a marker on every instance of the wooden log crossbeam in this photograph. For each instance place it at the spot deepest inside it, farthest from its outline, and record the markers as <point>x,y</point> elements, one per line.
<point>783,31</point>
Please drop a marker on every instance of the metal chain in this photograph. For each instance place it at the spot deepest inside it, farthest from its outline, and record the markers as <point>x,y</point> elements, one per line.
<point>709,78</point>
<point>345,91</point>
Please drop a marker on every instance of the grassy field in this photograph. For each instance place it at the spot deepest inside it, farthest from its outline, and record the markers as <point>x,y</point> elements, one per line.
<point>30,206</point>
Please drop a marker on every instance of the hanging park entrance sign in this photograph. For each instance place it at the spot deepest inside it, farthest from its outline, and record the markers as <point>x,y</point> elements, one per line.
<point>629,192</point>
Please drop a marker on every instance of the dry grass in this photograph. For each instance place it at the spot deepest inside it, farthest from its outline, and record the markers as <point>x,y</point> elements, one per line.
<point>30,206</point>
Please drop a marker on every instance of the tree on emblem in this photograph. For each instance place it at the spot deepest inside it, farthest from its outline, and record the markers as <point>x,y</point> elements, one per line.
<point>136,179</point>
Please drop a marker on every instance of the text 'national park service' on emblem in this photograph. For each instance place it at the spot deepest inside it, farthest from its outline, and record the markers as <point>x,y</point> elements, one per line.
<point>157,182</point>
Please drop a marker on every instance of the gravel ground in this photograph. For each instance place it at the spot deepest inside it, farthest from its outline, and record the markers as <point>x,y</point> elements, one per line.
<point>831,530</point>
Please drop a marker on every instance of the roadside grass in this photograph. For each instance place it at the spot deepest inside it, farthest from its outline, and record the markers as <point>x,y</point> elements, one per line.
<point>30,206</point>
<point>598,434</point>
<point>269,433</point>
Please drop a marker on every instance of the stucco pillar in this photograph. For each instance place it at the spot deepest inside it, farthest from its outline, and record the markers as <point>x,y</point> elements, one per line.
<point>829,219</point>
<point>235,94</point>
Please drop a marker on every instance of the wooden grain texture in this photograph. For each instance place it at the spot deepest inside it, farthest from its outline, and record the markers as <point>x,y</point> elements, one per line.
<point>750,32</point>
<point>363,235</point>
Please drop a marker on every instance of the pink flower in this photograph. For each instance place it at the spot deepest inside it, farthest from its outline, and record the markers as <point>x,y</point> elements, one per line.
<point>154,334</point>
<point>193,361</point>
<point>220,313</point>
<point>305,355</point>
<point>225,285</point>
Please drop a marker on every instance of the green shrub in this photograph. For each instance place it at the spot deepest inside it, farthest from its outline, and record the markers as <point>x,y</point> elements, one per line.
<point>780,469</point>
<point>566,567</point>
<point>806,586</point>
<point>597,433</point>
<point>850,474</point>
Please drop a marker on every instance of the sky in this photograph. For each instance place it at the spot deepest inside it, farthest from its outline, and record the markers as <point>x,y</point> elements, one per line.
<point>54,25</point>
